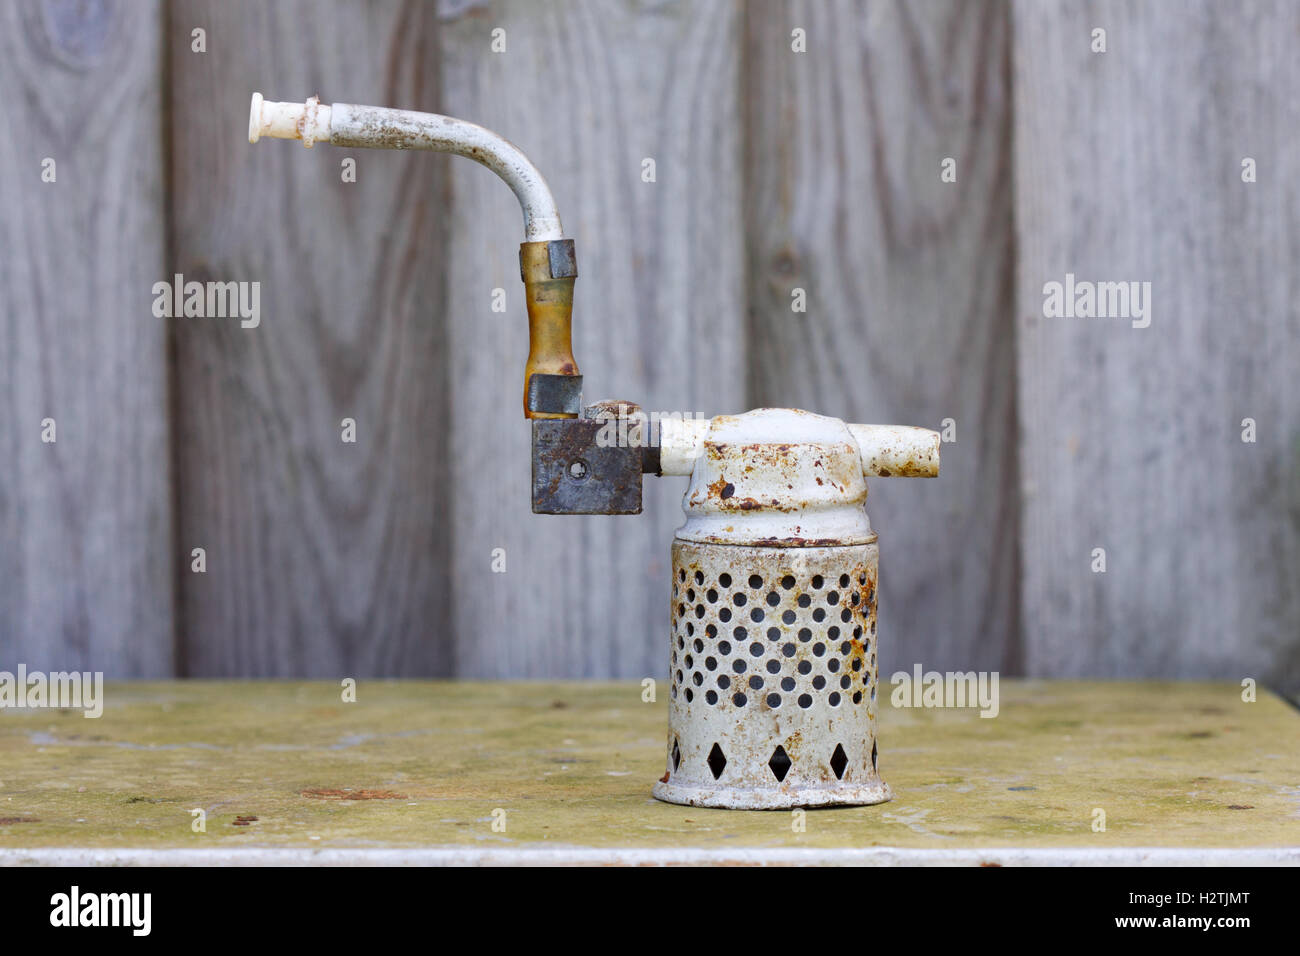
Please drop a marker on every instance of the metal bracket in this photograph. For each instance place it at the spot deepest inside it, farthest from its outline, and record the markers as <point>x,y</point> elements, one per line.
<point>575,474</point>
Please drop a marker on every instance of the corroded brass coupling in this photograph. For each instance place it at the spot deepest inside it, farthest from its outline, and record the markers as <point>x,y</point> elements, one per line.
<point>552,384</point>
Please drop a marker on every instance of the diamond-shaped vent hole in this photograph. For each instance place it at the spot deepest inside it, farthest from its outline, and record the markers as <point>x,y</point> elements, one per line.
<point>717,761</point>
<point>780,763</point>
<point>873,755</point>
<point>677,756</point>
<point>839,760</point>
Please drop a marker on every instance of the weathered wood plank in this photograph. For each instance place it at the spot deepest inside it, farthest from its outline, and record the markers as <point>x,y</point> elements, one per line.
<point>86,569</point>
<point>589,91</point>
<point>1129,168</point>
<point>323,558</point>
<point>417,764</point>
<point>908,285</point>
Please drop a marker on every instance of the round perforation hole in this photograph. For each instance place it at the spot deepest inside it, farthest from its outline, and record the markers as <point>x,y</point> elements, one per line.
<point>775,638</point>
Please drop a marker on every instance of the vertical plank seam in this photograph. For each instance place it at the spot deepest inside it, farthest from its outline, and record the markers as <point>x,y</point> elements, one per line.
<point>180,666</point>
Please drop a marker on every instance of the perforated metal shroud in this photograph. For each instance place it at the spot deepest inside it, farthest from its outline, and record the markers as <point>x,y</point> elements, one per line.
<point>773,677</point>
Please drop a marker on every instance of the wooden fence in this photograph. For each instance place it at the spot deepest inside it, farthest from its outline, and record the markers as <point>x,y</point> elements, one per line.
<point>1169,158</point>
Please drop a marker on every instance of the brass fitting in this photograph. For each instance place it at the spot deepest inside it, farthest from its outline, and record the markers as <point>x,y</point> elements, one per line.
<point>549,270</point>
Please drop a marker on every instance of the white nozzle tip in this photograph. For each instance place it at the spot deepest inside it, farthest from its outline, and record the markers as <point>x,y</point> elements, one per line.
<point>309,121</point>
<point>255,119</point>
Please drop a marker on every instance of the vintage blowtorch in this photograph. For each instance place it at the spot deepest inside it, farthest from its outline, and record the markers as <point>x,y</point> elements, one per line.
<point>772,655</point>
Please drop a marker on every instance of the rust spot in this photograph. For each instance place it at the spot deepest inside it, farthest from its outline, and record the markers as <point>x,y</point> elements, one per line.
<point>243,821</point>
<point>727,490</point>
<point>664,778</point>
<point>990,863</point>
<point>883,472</point>
<point>332,794</point>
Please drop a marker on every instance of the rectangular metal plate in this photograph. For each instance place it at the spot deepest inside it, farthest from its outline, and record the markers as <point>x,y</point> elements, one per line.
<point>562,259</point>
<point>556,394</point>
<point>574,475</point>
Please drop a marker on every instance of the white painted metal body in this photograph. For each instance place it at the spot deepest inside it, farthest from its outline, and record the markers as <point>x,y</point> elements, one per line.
<point>773,671</point>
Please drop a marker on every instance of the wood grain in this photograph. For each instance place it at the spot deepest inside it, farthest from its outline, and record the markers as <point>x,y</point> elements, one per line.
<point>86,557</point>
<point>908,286</point>
<point>323,558</point>
<point>589,91</point>
<point>1129,169</point>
